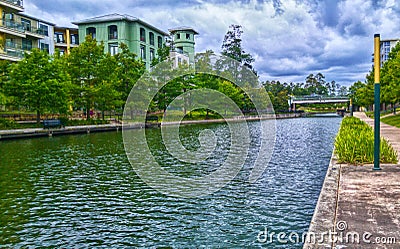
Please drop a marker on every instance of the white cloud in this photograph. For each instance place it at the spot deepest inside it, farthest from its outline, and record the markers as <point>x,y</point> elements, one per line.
<point>301,37</point>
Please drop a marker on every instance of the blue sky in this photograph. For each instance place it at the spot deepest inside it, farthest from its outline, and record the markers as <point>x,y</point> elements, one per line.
<point>289,39</point>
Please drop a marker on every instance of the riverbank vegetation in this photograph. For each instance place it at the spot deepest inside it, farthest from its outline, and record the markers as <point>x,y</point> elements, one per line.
<point>354,144</point>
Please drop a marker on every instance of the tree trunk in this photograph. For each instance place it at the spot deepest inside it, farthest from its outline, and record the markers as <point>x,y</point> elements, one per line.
<point>88,112</point>
<point>165,114</point>
<point>38,117</point>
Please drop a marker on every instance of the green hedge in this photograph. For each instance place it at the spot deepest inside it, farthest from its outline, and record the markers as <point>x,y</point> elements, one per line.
<point>355,144</point>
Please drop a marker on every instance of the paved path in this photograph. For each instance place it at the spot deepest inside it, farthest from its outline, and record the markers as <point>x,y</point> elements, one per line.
<point>360,207</point>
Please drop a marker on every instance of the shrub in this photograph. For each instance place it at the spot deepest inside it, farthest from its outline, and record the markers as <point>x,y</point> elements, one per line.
<point>355,144</point>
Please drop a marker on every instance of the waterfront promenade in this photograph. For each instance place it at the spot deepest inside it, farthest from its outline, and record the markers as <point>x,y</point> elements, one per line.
<point>359,207</point>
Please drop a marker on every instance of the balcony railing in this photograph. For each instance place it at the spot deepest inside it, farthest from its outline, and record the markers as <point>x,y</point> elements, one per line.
<point>35,30</point>
<point>13,25</point>
<point>16,2</point>
<point>13,45</point>
<point>112,36</point>
<point>14,50</point>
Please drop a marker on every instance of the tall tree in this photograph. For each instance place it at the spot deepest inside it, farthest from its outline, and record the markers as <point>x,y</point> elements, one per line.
<point>38,83</point>
<point>390,78</point>
<point>84,62</point>
<point>232,46</point>
<point>129,70</point>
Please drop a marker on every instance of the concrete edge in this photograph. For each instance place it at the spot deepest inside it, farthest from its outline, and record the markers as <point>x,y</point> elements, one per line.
<point>323,220</point>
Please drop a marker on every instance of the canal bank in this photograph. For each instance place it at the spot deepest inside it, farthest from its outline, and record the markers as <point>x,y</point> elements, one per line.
<point>358,207</point>
<point>70,130</point>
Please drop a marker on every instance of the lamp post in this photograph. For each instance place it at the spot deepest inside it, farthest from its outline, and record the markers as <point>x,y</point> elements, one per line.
<point>377,96</point>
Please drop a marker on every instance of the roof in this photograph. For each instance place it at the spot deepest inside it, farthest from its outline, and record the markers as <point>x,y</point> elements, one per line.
<point>70,28</point>
<point>397,39</point>
<point>118,17</point>
<point>35,18</point>
<point>183,28</point>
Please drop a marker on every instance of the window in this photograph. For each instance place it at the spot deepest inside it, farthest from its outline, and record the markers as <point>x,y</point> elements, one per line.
<point>59,37</point>
<point>26,44</point>
<point>74,39</point>
<point>62,51</point>
<point>142,35</point>
<point>27,24</point>
<point>187,36</point>
<point>112,32</point>
<point>160,42</point>
<point>143,52</point>
<point>92,32</point>
<point>44,29</point>
<point>151,54</point>
<point>45,47</point>
<point>178,36</point>
<point>151,34</point>
<point>113,48</point>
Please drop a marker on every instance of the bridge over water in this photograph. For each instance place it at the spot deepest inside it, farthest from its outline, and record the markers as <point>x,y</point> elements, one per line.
<point>293,100</point>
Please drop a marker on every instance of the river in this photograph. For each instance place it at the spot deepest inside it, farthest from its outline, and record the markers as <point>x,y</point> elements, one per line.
<point>81,192</point>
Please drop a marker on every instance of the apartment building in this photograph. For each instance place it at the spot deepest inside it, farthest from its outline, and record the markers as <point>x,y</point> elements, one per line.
<point>65,39</point>
<point>20,33</point>
<point>386,46</point>
<point>141,38</point>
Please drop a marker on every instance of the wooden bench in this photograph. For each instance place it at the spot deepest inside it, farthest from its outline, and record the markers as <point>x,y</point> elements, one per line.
<point>49,123</point>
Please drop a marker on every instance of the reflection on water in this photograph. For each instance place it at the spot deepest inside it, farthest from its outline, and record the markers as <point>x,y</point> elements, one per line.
<point>80,191</point>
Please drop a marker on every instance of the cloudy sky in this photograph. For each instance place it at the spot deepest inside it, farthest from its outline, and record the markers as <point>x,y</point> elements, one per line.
<point>289,39</point>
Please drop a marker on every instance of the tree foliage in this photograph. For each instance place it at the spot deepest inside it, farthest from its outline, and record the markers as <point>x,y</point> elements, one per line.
<point>38,83</point>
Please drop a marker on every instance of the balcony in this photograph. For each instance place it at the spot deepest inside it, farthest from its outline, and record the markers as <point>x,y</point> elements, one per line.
<point>13,51</point>
<point>12,28</point>
<point>15,5</point>
<point>35,32</point>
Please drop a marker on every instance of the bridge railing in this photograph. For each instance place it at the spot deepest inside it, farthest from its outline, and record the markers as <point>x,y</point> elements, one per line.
<point>305,98</point>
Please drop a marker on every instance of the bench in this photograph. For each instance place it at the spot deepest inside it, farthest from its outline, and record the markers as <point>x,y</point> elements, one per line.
<point>49,123</point>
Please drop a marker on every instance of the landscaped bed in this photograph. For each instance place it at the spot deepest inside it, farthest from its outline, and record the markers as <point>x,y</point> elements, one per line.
<point>354,144</point>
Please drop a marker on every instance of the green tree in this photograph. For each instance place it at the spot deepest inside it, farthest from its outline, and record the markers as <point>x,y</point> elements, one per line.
<point>129,70</point>
<point>4,77</point>
<point>106,95</point>
<point>38,83</point>
<point>232,46</point>
<point>390,78</point>
<point>84,63</point>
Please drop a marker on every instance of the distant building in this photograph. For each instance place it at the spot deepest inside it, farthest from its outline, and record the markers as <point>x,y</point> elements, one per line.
<point>21,33</point>
<point>38,29</point>
<point>387,46</point>
<point>65,39</point>
<point>183,45</point>
<point>141,38</point>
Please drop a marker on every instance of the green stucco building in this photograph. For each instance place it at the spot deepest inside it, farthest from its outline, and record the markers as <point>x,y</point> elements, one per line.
<point>183,42</point>
<point>142,38</point>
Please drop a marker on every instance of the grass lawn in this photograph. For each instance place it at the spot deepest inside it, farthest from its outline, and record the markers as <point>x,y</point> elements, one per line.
<point>392,120</point>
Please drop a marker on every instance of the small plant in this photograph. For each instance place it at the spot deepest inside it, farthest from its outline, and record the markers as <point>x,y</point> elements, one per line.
<point>355,144</point>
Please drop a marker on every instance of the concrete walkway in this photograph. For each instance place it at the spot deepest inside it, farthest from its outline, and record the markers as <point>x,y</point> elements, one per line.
<point>359,207</point>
